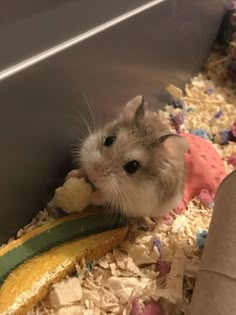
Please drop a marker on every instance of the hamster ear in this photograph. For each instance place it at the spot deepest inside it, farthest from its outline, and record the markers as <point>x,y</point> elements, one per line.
<point>135,106</point>
<point>176,144</point>
<point>139,113</point>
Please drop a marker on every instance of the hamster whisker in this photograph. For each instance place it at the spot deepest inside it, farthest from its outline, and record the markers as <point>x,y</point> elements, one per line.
<point>107,207</point>
<point>91,111</point>
<point>122,197</point>
<point>120,200</point>
<point>77,146</point>
<point>75,154</point>
<point>99,141</point>
<point>87,125</point>
<point>112,215</point>
<point>85,122</point>
<point>78,115</point>
<point>113,196</point>
<point>83,134</point>
<point>85,151</point>
<point>125,195</point>
<point>113,201</point>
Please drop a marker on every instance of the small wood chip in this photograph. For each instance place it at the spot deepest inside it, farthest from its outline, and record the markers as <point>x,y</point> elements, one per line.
<point>65,292</point>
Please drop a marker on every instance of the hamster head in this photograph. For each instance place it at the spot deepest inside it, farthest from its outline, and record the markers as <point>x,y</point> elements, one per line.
<point>136,163</point>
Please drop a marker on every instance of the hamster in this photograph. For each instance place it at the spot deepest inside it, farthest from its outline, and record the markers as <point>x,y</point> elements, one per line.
<point>135,164</point>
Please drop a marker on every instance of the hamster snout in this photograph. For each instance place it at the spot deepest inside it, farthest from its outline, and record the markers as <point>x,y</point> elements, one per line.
<point>87,179</point>
<point>130,168</point>
<point>93,175</point>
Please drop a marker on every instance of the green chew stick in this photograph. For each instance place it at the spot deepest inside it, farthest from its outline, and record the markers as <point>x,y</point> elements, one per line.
<point>61,233</point>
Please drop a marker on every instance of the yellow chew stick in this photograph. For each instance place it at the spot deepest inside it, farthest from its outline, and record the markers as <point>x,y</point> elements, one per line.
<point>29,283</point>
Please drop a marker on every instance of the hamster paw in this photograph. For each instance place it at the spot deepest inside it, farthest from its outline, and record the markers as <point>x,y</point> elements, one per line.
<point>181,207</point>
<point>205,197</point>
<point>97,198</point>
<point>168,219</point>
<point>74,173</point>
<point>146,224</point>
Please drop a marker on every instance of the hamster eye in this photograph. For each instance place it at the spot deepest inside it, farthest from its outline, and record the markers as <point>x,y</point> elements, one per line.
<point>131,167</point>
<point>109,141</point>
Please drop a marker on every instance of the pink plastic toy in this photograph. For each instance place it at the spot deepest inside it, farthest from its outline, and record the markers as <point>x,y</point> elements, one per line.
<point>204,171</point>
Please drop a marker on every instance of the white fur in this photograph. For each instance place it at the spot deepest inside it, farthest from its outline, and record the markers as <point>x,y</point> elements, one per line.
<point>132,205</point>
<point>90,153</point>
<point>150,205</point>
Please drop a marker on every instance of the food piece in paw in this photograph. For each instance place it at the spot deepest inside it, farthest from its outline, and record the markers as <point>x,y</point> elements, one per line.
<point>73,196</point>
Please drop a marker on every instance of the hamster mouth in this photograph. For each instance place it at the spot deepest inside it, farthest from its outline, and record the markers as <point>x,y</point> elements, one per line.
<point>90,182</point>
